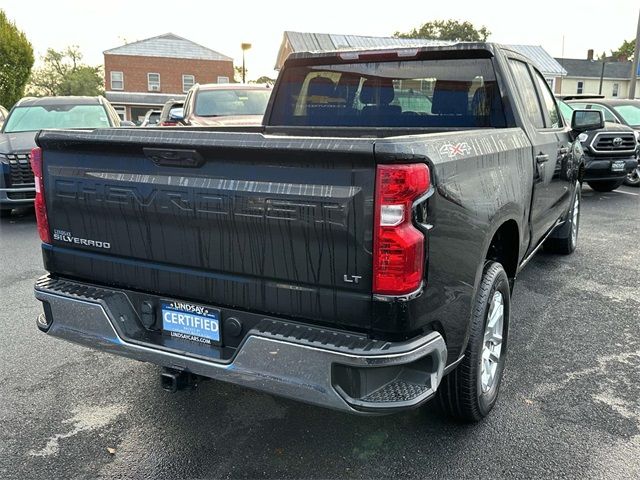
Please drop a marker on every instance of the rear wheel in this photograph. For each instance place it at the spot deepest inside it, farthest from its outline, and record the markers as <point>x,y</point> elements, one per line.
<point>605,185</point>
<point>470,391</point>
<point>633,179</point>
<point>565,239</point>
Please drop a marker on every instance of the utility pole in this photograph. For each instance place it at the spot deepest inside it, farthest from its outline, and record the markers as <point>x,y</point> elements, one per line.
<point>245,47</point>
<point>634,68</point>
<point>604,62</point>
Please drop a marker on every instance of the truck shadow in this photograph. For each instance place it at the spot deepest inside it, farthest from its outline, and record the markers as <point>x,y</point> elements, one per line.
<point>23,215</point>
<point>257,435</point>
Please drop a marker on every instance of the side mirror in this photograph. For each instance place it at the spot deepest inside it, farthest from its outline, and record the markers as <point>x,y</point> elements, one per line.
<point>583,120</point>
<point>176,114</point>
<point>127,123</point>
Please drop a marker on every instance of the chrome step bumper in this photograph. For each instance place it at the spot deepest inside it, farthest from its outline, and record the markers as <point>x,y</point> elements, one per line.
<point>301,362</point>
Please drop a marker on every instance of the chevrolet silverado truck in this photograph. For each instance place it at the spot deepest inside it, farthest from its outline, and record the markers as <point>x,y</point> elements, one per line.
<point>610,154</point>
<point>357,251</point>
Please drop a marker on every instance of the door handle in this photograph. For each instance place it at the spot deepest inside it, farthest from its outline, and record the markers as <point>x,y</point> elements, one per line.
<point>542,157</point>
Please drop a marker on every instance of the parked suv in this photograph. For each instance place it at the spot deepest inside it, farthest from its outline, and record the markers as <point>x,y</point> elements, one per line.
<point>610,153</point>
<point>17,138</point>
<point>624,112</point>
<point>218,104</point>
<point>151,119</point>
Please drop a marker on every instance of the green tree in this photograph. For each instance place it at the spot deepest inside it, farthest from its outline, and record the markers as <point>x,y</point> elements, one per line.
<point>625,50</point>
<point>237,74</point>
<point>448,30</point>
<point>264,79</point>
<point>63,73</point>
<point>16,60</point>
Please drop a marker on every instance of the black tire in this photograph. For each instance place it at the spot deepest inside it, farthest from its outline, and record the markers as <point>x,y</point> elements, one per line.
<point>5,213</point>
<point>461,392</point>
<point>605,185</point>
<point>562,240</point>
<point>633,179</point>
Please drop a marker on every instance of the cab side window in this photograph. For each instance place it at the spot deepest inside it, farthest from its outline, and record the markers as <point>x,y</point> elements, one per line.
<point>552,117</point>
<point>527,92</point>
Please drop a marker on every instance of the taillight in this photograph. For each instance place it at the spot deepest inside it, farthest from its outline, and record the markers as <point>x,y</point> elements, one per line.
<point>398,247</point>
<point>39,203</point>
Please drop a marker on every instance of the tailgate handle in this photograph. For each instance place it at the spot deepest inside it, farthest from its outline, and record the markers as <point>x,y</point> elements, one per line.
<point>174,157</point>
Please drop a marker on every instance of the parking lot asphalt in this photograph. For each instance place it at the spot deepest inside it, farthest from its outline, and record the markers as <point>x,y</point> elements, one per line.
<point>569,404</point>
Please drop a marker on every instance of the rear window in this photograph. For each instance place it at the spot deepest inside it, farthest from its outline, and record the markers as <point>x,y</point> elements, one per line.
<point>216,103</point>
<point>39,117</point>
<point>412,93</point>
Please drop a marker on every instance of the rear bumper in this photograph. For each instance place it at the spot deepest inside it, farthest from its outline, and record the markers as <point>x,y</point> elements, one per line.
<point>305,363</point>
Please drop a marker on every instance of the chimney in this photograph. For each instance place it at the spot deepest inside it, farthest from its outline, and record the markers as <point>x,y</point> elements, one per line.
<point>590,54</point>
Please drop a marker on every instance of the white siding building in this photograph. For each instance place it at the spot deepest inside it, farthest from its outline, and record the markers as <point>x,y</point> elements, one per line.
<point>584,77</point>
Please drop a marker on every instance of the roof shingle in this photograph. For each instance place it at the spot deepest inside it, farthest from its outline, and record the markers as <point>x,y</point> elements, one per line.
<point>168,45</point>
<point>577,67</point>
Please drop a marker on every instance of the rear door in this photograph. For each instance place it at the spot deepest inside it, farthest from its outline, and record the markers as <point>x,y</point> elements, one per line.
<point>550,151</point>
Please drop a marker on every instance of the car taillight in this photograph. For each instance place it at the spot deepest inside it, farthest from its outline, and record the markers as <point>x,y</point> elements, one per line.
<point>398,247</point>
<point>39,203</point>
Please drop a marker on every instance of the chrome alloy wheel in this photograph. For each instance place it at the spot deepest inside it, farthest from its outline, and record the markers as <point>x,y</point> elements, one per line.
<point>492,346</point>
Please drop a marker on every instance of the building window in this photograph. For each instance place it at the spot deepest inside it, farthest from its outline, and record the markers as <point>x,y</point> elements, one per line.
<point>187,82</point>
<point>117,81</point>
<point>122,112</point>
<point>153,82</point>
<point>580,87</point>
<point>223,79</point>
<point>614,91</point>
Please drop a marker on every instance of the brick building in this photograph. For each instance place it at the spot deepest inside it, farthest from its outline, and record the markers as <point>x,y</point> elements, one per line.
<point>143,75</point>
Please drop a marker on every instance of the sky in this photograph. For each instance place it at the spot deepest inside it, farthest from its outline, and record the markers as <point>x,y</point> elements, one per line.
<point>96,26</point>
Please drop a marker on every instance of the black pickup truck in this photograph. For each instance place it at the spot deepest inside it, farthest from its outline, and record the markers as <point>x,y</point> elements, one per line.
<point>358,251</point>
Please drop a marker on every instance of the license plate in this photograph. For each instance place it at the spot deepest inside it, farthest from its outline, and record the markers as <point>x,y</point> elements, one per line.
<point>191,322</point>
<point>618,166</point>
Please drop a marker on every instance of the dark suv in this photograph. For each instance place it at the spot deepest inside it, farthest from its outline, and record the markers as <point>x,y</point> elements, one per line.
<point>621,111</point>
<point>610,153</point>
<point>17,138</point>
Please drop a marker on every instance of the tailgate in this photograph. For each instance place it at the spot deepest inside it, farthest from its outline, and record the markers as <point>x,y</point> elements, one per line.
<point>278,225</point>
